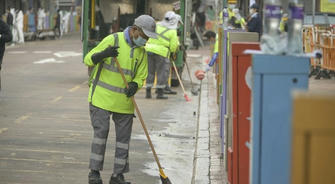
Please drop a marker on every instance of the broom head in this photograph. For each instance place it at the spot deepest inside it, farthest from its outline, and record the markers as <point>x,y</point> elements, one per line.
<point>164,178</point>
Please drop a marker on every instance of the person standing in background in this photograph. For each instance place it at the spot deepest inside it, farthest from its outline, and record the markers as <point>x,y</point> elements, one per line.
<point>19,26</point>
<point>5,36</point>
<point>57,23</point>
<point>254,23</point>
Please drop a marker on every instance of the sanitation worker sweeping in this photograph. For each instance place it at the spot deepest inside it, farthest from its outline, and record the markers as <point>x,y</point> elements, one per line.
<point>112,91</point>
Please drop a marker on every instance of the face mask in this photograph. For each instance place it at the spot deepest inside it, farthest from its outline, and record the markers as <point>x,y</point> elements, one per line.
<point>140,41</point>
<point>251,11</point>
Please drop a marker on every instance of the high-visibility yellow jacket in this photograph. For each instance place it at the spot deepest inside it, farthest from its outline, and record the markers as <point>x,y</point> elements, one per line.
<point>109,91</point>
<point>230,15</point>
<point>166,43</point>
<point>241,21</point>
<point>216,45</point>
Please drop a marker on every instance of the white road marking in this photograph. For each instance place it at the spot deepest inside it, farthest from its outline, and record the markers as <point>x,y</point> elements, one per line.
<point>48,60</point>
<point>63,54</point>
<point>17,52</point>
<point>43,52</point>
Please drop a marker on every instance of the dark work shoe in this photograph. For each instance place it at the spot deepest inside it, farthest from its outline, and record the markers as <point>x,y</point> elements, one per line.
<point>148,93</point>
<point>94,178</point>
<point>168,90</point>
<point>118,179</point>
<point>160,94</point>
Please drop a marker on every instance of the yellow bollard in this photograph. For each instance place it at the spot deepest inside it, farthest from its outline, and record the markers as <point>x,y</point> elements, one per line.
<point>313,147</point>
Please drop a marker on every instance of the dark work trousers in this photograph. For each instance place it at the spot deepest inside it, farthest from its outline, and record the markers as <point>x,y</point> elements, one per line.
<point>100,119</point>
<point>157,64</point>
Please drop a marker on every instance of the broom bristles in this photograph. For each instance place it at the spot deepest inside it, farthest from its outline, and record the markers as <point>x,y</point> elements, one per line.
<point>165,180</point>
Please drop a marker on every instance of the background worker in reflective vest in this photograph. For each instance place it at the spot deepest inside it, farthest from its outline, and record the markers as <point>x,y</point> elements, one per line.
<point>108,94</point>
<point>159,51</point>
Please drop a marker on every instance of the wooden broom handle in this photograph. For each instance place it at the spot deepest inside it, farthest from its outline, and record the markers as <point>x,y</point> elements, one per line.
<point>139,116</point>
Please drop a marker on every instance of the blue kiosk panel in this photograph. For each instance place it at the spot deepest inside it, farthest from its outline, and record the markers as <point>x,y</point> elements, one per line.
<point>274,77</point>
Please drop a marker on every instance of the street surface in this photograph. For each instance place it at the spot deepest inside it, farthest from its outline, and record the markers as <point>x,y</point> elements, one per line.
<point>45,131</point>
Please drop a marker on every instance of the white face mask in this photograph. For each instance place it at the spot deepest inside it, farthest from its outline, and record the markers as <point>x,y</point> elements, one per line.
<point>139,41</point>
<point>251,11</point>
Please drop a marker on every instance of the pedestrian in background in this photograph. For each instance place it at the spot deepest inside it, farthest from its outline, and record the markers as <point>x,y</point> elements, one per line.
<point>31,21</point>
<point>159,51</point>
<point>109,96</point>
<point>19,22</point>
<point>5,36</point>
<point>9,19</point>
<point>254,23</point>
<point>57,28</point>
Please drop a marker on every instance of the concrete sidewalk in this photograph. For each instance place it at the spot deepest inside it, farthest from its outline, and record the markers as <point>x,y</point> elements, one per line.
<point>208,157</point>
<point>208,160</point>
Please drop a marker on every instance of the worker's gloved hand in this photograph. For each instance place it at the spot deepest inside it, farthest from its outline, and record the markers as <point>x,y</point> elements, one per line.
<point>111,51</point>
<point>108,52</point>
<point>131,90</point>
<point>173,56</point>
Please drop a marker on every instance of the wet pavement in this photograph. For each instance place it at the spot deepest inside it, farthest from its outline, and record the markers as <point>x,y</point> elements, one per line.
<point>45,130</point>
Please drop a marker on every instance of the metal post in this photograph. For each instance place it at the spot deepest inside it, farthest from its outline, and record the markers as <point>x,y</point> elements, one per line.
<point>313,12</point>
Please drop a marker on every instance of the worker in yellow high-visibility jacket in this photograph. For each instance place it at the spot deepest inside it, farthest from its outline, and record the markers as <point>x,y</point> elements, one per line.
<point>108,94</point>
<point>159,51</point>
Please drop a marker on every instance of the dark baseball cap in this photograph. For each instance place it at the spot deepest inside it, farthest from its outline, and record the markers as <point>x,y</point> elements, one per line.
<point>254,6</point>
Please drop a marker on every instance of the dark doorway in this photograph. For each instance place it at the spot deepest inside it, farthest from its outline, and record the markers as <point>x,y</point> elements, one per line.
<point>140,9</point>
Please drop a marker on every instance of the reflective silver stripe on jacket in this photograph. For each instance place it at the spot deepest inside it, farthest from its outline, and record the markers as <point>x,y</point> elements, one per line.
<point>162,34</point>
<point>110,87</point>
<point>113,68</point>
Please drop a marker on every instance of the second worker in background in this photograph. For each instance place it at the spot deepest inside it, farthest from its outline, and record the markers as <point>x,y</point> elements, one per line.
<point>159,51</point>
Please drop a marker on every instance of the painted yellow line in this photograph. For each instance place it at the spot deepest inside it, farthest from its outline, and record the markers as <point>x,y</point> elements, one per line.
<point>43,161</point>
<point>24,171</point>
<point>56,99</point>
<point>2,130</point>
<point>35,150</point>
<point>86,120</point>
<point>74,88</point>
<point>84,83</point>
<point>22,118</point>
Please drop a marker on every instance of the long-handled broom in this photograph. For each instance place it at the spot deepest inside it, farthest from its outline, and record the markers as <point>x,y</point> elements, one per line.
<point>164,178</point>
<point>181,83</point>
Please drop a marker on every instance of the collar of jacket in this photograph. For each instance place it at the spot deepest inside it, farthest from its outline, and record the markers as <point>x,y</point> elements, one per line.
<point>129,42</point>
<point>254,15</point>
<point>127,36</point>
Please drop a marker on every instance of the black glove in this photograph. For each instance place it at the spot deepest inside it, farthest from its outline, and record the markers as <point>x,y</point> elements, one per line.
<point>108,52</point>
<point>173,56</point>
<point>131,90</point>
